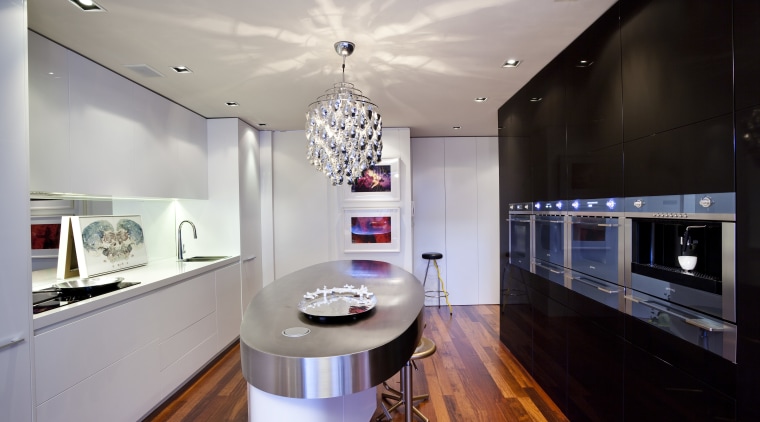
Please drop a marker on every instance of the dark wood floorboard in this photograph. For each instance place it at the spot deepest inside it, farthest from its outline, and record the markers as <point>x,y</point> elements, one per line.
<point>471,377</point>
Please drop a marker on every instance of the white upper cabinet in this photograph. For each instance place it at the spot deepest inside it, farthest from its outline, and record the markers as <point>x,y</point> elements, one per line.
<point>49,115</point>
<point>95,132</point>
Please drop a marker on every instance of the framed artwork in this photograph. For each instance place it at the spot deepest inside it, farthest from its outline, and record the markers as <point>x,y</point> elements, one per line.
<point>378,183</point>
<point>371,230</point>
<point>102,244</point>
<point>46,236</point>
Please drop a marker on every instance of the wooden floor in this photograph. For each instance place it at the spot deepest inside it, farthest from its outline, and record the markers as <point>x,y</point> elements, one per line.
<point>471,377</point>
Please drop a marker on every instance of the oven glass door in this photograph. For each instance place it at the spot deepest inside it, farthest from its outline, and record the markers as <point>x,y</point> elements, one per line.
<point>519,241</point>
<point>595,247</point>
<point>550,239</point>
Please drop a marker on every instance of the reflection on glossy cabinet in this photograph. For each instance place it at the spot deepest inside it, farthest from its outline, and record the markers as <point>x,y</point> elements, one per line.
<point>550,346</point>
<point>746,59</point>
<point>676,63</point>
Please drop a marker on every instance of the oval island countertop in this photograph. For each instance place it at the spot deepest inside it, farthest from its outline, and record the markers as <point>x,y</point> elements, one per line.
<point>334,358</point>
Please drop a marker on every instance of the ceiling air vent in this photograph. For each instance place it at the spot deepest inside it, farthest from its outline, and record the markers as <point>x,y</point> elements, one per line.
<point>144,70</point>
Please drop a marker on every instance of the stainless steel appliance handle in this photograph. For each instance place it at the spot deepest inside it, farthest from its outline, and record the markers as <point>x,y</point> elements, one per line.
<point>701,323</point>
<point>519,220</point>
<point>655,306</point>
<point>9,343</point>
<point>595,224</point>
<point>538,264</point>
<point>592,284</point>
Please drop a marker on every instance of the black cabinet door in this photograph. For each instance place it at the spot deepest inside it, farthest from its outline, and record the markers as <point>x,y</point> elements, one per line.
<point>516,322</point>
<point>545,96</point>
<point>594,108</point>
<point>697,158</point>
<point>746,57</point>
<point>594,372</point>
<point>658,391</point>
<point>550,347</point>
<point>676,63</point>
<point>747,264</point>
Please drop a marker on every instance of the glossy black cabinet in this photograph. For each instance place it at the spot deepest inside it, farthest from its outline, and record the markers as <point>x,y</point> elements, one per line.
<point>546,95</point>
<point>594,372</point>
<point>696,158</point>
<point>550,347</point>
<point>594,111</point>
<point>746,57</point>
<point>516,319</point>
<point>747,262</point>
<point>658,391</point>
<point>676,63</point>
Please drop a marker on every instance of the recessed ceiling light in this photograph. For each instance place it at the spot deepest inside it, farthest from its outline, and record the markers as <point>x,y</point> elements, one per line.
<point>481,99</point>
<point>181,69</point>
<point>232,103</point>
<point>262,124</point>
<point>535,99</point>
<point>584,63</point>
<point>511,63</point>
<point>457,127</point>
<point>87,5</point>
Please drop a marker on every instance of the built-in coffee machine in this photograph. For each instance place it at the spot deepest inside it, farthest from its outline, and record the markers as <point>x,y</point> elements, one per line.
<point>679,267</point>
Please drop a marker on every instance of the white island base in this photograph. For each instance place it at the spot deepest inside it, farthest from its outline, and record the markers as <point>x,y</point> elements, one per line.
<point>357,407</point>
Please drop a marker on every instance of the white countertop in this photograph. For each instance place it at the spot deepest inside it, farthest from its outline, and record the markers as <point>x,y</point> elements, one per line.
<point>155,275</point>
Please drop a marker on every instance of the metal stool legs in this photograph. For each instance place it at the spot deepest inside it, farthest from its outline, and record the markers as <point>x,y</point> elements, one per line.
<point>436,293</point>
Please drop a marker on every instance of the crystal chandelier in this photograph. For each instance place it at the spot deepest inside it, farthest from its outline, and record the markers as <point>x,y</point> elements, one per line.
<point>344,129</point>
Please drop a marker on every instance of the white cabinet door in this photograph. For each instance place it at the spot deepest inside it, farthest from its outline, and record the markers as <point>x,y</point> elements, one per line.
<point>48,116</point>
<point>106,154</point>
<point>15,294</point>
<point>228,308</point>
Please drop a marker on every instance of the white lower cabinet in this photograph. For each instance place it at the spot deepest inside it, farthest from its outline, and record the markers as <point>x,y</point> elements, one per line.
<point>229,310</point>
<point>120,363</point>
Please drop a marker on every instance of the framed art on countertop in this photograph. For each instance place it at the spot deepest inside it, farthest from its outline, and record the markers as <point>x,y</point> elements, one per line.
<point>371,230</point>
<point>46,235</point>
<point>101,244</point>
<point>380,182</point>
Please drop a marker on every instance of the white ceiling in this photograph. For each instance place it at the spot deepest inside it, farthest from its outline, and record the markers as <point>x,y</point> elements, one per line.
<point>422,61</point>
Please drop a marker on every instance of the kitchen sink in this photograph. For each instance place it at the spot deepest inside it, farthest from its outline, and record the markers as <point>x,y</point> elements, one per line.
<point>204,258</point>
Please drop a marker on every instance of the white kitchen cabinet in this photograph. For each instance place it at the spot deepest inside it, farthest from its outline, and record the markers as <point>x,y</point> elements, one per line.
<point>228,310</point>
<point>98,133</point>
<point>100,367</point>
<point>15,295</point>
<point>49,99</point>
<point>121,362</point>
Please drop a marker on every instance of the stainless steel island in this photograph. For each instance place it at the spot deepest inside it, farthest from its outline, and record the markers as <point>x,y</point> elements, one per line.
<point>326,369</point>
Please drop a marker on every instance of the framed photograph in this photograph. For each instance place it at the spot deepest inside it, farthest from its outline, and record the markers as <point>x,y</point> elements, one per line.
<point>378,183</point>
<point>46,236</point>
<point>105,244</point>
<point>371,230</point>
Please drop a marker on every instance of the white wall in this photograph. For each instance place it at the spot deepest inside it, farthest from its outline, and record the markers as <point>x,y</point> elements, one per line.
<point>455,182</point>
<point>307,211</point>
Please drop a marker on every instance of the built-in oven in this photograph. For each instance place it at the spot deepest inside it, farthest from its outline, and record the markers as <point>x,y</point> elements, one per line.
<point>549,257</point>
<point>679,269</point>
<point>596,237</point>
<point>521,234</point>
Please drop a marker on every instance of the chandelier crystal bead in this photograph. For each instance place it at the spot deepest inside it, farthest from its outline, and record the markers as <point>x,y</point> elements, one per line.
<point>344,129</point>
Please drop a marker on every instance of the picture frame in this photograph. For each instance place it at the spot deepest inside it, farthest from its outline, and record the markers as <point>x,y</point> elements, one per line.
<point>371,230</point>
<point>45,236</point>
<point>101,244</point>
<point>381,182</point>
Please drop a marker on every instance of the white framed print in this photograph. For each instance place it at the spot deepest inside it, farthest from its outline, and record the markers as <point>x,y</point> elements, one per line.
<point>46,236</point>
<point>105,244</point>
<point>380,182</point>
<point>371,229</point>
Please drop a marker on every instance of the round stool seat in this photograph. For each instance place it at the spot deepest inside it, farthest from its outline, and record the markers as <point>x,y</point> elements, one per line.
<point>424,349</point>
<point>432,255</point>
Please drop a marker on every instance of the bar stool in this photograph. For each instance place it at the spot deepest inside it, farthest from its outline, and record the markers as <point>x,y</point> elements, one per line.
<point>441,292</point>
<point>425,349</point>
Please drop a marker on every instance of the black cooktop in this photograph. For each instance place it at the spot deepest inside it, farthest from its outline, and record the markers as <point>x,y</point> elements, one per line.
<point>49,299</point>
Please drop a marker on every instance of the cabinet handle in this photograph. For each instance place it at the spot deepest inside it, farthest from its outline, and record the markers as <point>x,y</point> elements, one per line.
<point>250,258</point>
<point>596,286</point>
<point>596,224</point>
<point>9,343</point>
